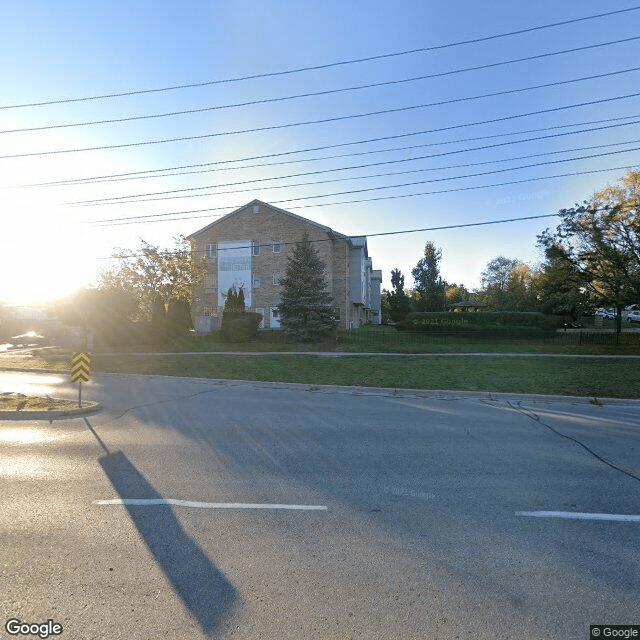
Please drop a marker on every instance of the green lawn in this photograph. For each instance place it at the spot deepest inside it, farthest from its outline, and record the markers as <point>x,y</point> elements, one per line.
<point>564,376</point>
<point>386,340</point>
<point>590,377</point>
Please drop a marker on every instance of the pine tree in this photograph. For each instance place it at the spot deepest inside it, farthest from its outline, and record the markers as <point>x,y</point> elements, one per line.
<point>305,309</point>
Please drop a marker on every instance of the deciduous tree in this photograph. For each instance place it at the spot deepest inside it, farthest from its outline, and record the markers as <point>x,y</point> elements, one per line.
<point>600,240</point>
<point>508,285</point>
<point>157,278</point>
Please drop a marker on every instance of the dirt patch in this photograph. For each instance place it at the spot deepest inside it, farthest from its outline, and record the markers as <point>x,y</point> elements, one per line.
<point>20,402</point>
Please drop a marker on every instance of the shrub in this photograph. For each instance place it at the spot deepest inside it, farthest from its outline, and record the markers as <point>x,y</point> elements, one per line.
<point>497,323</point>
<point>240,326</point>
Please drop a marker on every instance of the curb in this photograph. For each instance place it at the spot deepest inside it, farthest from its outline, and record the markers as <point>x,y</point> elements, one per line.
<point>361,391</point>
<point>436,394</point>
<point>91,408</point>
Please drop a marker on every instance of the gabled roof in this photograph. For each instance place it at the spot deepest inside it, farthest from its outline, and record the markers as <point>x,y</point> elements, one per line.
<point>327,230</point>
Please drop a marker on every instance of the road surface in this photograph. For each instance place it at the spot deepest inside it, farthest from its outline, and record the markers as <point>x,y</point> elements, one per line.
<point>204,509</point>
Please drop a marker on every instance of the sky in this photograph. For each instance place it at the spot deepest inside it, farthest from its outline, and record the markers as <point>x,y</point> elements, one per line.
<point>457,131</point>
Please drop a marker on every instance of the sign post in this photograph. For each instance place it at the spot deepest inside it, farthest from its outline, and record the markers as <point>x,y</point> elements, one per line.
<point>80,371</point>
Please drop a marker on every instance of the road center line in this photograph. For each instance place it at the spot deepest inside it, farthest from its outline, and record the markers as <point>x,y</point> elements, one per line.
<point>579,516</point>
<point>143,502</point>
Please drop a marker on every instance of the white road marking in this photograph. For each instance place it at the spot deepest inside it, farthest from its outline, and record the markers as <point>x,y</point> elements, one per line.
<point>579,516</point>
<point>142,502</point>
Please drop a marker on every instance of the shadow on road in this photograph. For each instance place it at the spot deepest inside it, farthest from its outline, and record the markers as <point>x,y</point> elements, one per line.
<point>205,591</point>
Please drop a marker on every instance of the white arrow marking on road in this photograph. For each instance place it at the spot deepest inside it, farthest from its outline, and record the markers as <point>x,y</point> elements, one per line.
<point>142,502</point>
<point>579,516</point>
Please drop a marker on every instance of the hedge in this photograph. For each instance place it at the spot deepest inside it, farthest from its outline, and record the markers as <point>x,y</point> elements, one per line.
<point>488,322</point>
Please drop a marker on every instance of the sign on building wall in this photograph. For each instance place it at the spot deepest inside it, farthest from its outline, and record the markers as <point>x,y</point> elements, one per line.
<point>234,269</point>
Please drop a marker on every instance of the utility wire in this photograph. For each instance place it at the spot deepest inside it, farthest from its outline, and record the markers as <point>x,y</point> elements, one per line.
<point>322,66</point>
<point>354,116</point>
<point>309,94</point>
<point>130,255</point>
<point>153,173</point>
<point>142,197</point>
<point>182,215</point>
<point>428,181</point>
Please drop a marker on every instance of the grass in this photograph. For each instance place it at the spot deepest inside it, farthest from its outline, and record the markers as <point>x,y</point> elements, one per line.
<point>563,376</point>
<point>545,375</point>
<point>386,340</point>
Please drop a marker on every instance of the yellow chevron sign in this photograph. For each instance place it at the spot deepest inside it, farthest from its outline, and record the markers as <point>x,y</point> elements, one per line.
<point>80,367</point>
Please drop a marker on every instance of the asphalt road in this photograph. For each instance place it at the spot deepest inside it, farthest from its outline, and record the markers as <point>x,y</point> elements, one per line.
<point>407,517</point>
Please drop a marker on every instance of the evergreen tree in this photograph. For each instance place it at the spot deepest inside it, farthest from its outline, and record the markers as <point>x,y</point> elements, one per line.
<point>238,325</point>
<point>426,275</point>
<point>398,301</point>
<point>305,308</point>
<point>561,287</point>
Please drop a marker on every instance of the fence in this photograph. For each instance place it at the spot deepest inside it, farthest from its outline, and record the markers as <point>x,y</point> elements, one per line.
<point>390,338</point>
<point>631,339</point>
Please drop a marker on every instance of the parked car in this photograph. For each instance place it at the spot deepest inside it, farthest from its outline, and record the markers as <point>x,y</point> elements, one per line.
<point>633,315</point>
<point>608,314</point>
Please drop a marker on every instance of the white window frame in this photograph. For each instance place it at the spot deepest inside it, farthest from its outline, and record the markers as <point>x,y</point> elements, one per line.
<point>210,251</point>
<point>255,248</point>
<point>277,277</point>
<point>255,281</point>
<point>260,310</point>
<point>276,246</point>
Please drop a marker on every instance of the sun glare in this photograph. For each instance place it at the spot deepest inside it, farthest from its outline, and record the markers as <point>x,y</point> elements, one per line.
<point>25,435</point>
<point>37,261</point>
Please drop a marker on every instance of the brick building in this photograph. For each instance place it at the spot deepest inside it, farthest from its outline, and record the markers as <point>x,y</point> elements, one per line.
<point>248,248</point>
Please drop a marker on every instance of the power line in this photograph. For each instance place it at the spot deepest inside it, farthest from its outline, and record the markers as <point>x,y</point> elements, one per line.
<point>193,252</point>
<point>135,175</point>
<point>311,94</point>
<point>143,219</point>
<point>134,198</point>
<point>354,116</point>
<point>367,235</point>
<point>432,180</point>
<point>321,66</point>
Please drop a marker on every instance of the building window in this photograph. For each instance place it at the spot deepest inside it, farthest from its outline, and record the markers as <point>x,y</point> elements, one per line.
<point>209,282</point>
<point>256,282</point>
<point>336,312</point>
<point>261,312</point>
<point>255,246</point>
<point>274,320</point>
<point>208,311</point>
<point>277,277</point>
<point>209,250</point>
<point>256,208</point>
<point>275,245</point>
